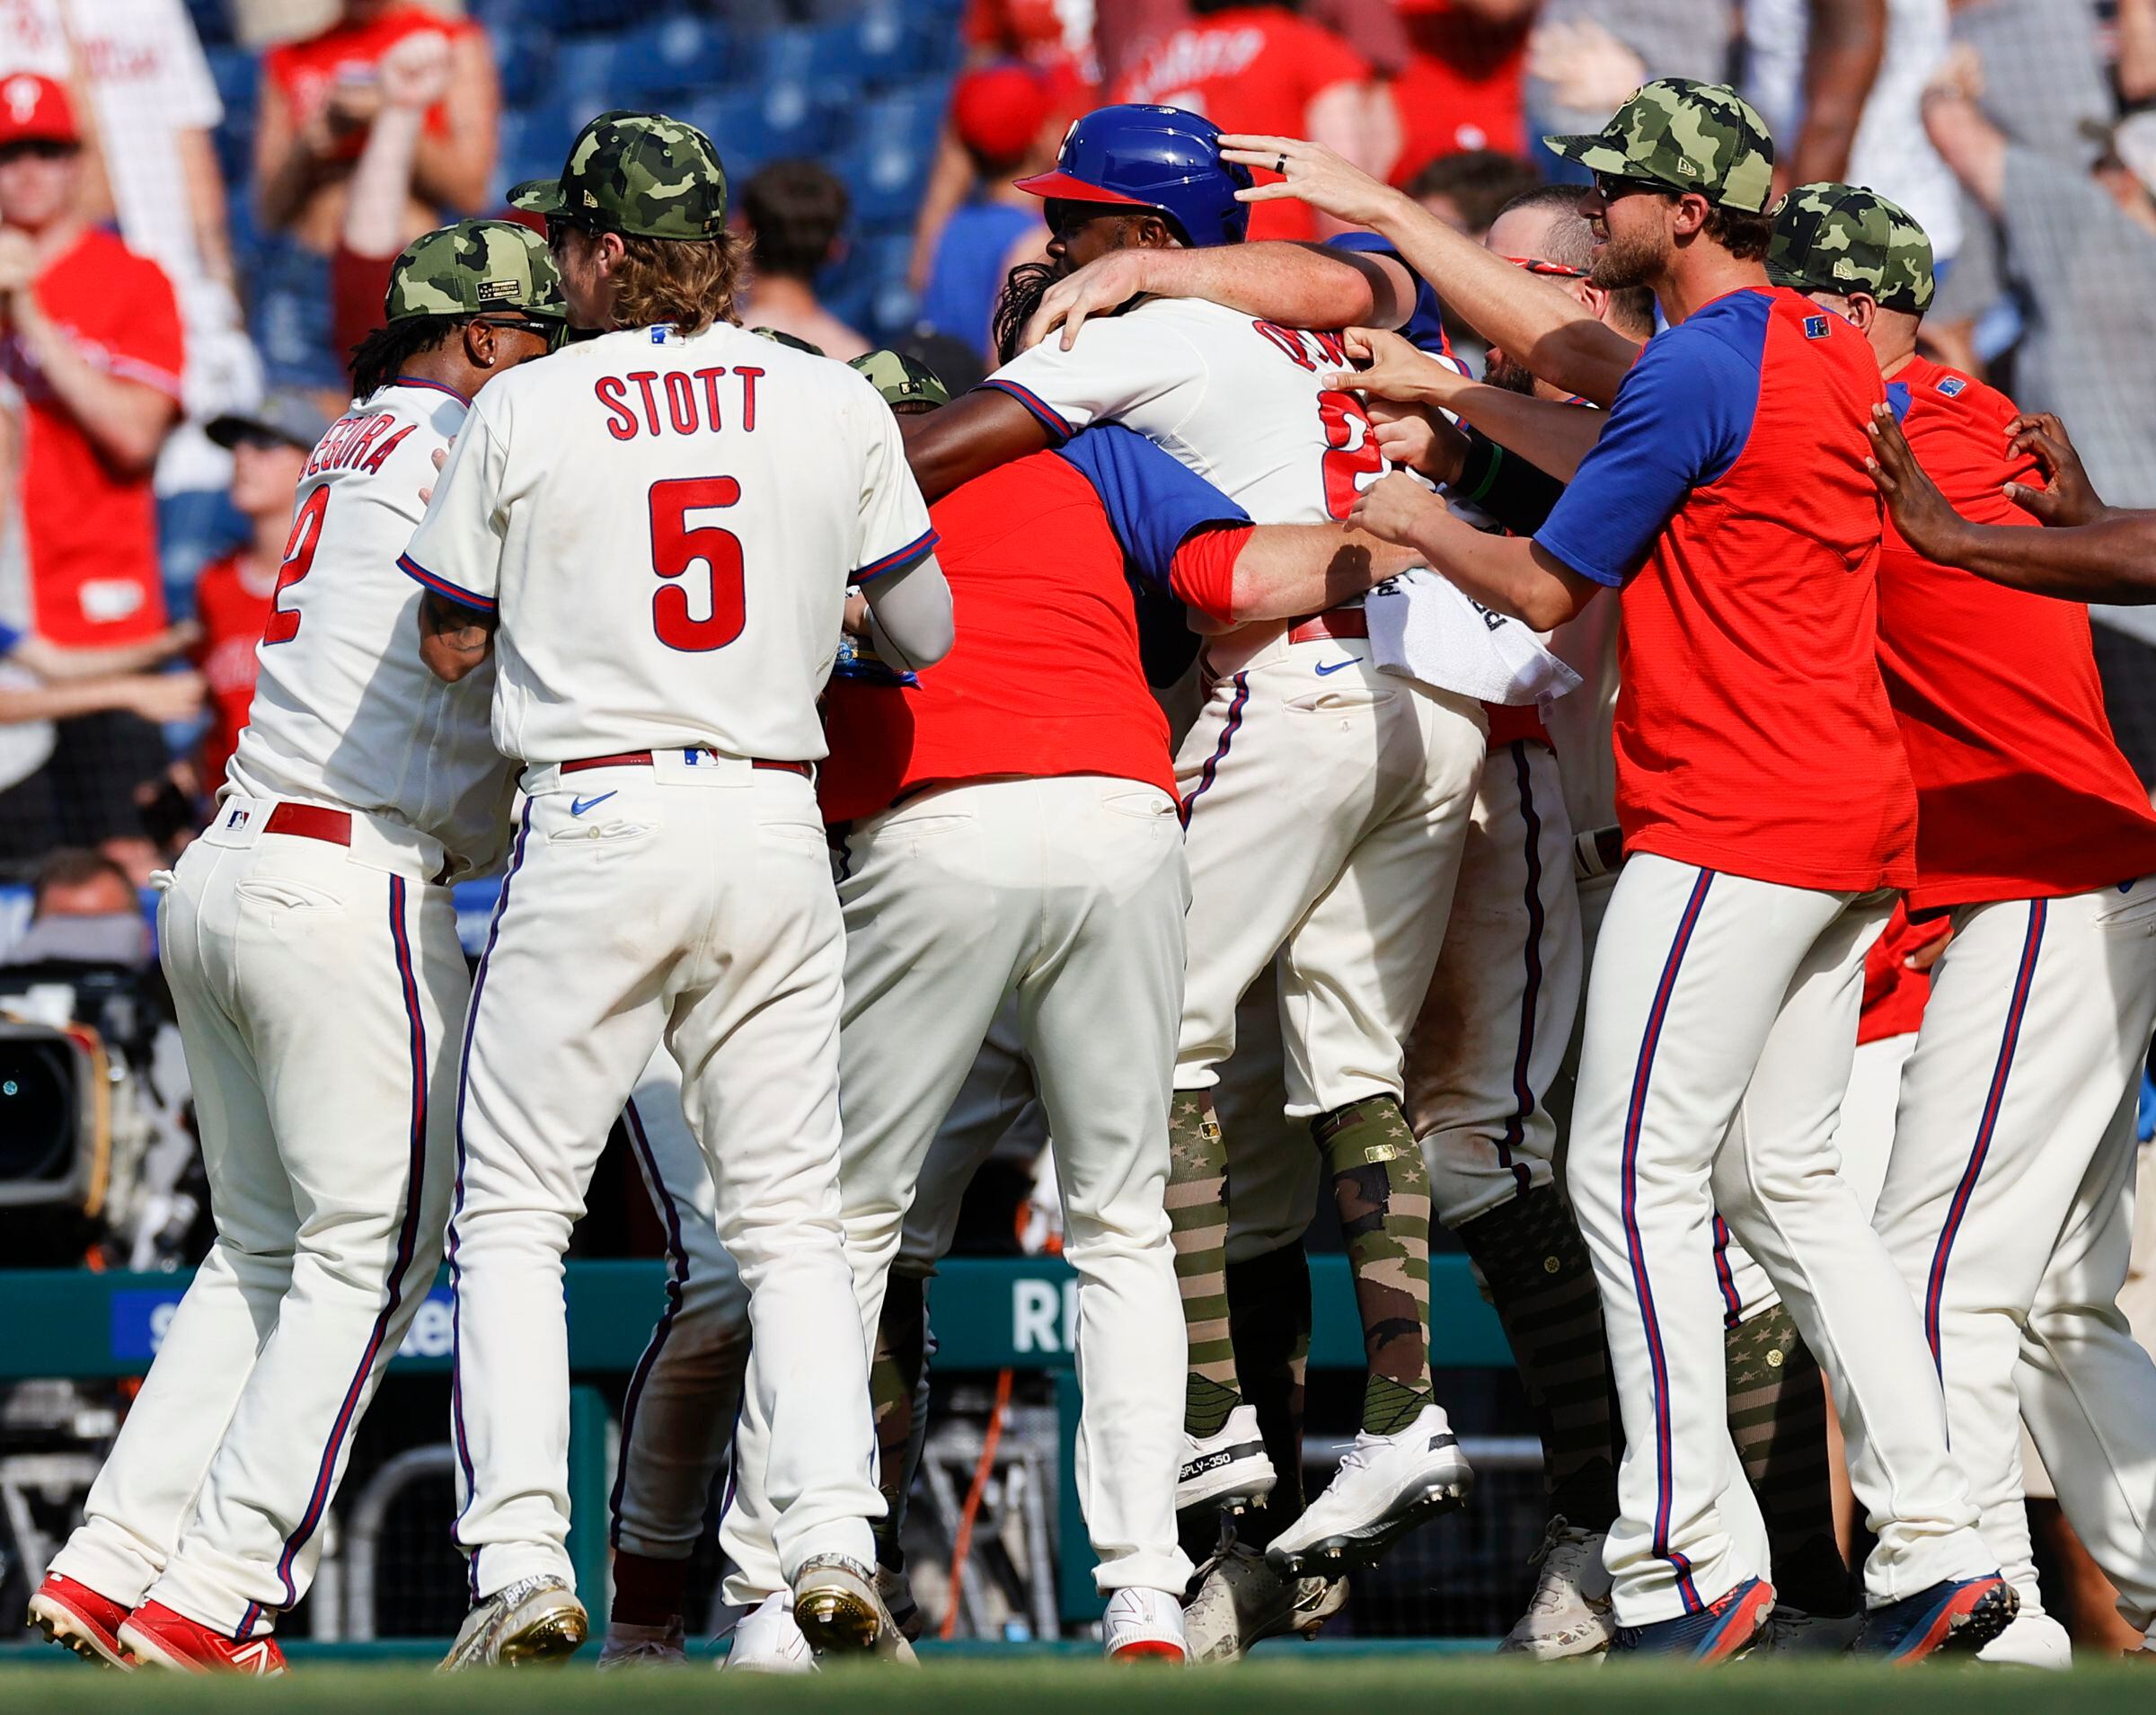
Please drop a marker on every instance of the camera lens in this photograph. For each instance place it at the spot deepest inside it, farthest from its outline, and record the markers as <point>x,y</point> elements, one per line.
<point>37,1109</point>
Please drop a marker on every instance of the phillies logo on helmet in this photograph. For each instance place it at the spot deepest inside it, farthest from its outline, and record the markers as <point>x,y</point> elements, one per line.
<point>21,95</point>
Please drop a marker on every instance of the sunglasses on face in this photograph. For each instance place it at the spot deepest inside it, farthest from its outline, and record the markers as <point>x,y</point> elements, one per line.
<point>261,440</point>
<point>1548,270</point>
<point>550,332</point>
<point>1612,190</point>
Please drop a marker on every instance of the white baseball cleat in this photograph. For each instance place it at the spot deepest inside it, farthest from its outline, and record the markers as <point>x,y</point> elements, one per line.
<point>1570,1613</point>
<point>1242,1601</point>
<point>629,1645</point>
<point>840,1610</point>
<point>1143,1625</point>
<point>1386,1485</point>
<point>534,1622</point>
<point>765,1640</point>
<point>1226,1472</point>
<point>2031,1641</point>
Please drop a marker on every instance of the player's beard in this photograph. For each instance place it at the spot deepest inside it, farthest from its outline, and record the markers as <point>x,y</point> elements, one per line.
<point>1023,289</point>
<point>1502,373</point>
<point>1623,263</point>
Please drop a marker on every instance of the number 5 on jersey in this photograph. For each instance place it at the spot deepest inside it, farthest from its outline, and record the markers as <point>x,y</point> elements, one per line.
<point>676,547</point>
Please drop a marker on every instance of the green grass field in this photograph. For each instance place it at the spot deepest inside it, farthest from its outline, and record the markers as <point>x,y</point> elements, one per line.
<point>1351,1685</point>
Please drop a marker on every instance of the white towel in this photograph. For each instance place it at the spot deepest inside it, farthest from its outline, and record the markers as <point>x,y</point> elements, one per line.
<point>1423,627</point>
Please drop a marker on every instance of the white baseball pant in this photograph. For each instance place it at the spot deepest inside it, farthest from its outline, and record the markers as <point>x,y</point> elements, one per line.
<point>2009,1205</point>
<point>1071,893</point>
<point>320,991</point>
<point>696,911</point>
<point>1712,991</point>
<point>1500,1007</point>
<point>1326,803</point>
<point>678,1417</point>
<point>685,1396</point>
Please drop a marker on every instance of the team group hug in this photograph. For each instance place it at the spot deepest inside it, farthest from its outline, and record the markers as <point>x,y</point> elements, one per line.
<point>1649,809</point>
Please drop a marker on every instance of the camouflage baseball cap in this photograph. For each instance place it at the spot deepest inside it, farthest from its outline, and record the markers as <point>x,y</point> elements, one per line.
<point>1841,238</point>
<point>792,339</point>
<point>641,174</point>
<point>1686,135</point>
<point>903,381</point>
<point>472,266</point>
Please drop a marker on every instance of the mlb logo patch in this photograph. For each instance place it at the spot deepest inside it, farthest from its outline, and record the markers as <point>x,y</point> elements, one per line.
<point>1953,386</point>
<point>1815,327</point>
<point>238,819</point>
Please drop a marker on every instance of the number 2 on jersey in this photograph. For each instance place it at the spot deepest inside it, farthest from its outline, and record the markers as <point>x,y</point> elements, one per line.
<point>283,624</point>
<point>676,547</point>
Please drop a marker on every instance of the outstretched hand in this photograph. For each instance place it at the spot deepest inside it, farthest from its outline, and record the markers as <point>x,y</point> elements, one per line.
<point>1393,507</point>
<point>1927,522</point>
<point>2068,496</point>
<point>1313,174</point>
<point>1396,368</point>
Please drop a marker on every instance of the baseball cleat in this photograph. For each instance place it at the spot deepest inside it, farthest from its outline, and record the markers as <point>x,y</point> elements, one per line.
<point>629,1645</point>
<point>536,1621</point>
<point>1719,1631</point>
<point>1570,1613</point>
<point>1144,1625</point>
<point>2032,1641</point>
<point>897,1593</point>
<point>765,1640</point>
<point>1792,1632</point>
<point>839,1610</point>
<point>1226,1472</point>
<point>1240,1601</point>
<point>76,1617</point>
<point>1955,1614</point>
<point>1386,1485</point>
<point>154,1636</point>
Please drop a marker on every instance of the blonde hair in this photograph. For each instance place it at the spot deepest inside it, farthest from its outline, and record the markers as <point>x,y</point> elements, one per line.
<point>691,283</point>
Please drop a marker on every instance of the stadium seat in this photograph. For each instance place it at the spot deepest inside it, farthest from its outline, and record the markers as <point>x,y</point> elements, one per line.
<point>213,22</point>
<point>525,60</point>
<point>533,146</point>
<point>887,161</point>
<point>675,57</point>
<point>754,126</point>
<point>590,73</point>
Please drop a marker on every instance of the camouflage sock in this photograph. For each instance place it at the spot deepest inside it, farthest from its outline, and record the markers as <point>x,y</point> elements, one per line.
<point>1384,1193</point>
<point>898,1377</point>
<point>1197,1211</point>
<point>1268,1313</point>
<point>1778,1420</point>
<point>1535,1269</point>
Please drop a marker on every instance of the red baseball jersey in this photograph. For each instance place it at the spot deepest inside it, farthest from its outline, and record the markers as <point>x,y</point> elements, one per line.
<point>1728,500</point>
<point>1045,678</point>
<point>2022,792</point>
<point>1249,69</point>
<point>90,531</point>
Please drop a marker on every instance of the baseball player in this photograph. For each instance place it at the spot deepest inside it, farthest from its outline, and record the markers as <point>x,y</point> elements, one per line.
<point>1381,772</point>
<point>311,944</point>
<point>2008,1200</point>
<point>1731,958</point>
<point>667,734</point>
<point>1020,837</point>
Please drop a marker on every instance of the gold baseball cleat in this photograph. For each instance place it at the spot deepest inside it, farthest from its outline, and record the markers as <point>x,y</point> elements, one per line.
<point>534,1622</point>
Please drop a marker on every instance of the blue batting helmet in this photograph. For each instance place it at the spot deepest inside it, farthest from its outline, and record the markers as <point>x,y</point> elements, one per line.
<point>1151,157</point>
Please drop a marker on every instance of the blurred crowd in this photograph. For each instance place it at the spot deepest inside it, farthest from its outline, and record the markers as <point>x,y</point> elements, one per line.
<point>200,200</point>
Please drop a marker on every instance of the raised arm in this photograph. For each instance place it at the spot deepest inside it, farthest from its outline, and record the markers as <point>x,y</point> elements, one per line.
<point>1538,321</point>
<point>2112,560</point>
<point>1842,61</point>
<point>1298,286</point>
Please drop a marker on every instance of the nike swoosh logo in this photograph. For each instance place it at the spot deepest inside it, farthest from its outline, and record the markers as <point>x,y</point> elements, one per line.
<point>578,805</point>
<point>1327,668</point>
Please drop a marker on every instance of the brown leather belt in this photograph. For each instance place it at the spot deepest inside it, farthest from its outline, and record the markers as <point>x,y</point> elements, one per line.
<point>642,759</point>
<point>1335,625</point>
<point>311,822</point>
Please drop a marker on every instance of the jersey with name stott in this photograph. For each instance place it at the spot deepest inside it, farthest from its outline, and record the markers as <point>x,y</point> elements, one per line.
<point>345,712</point>
<point>1728,500</point>
<point>2022,793</point>
<point>1241,401</point>
<point>666,528</point>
